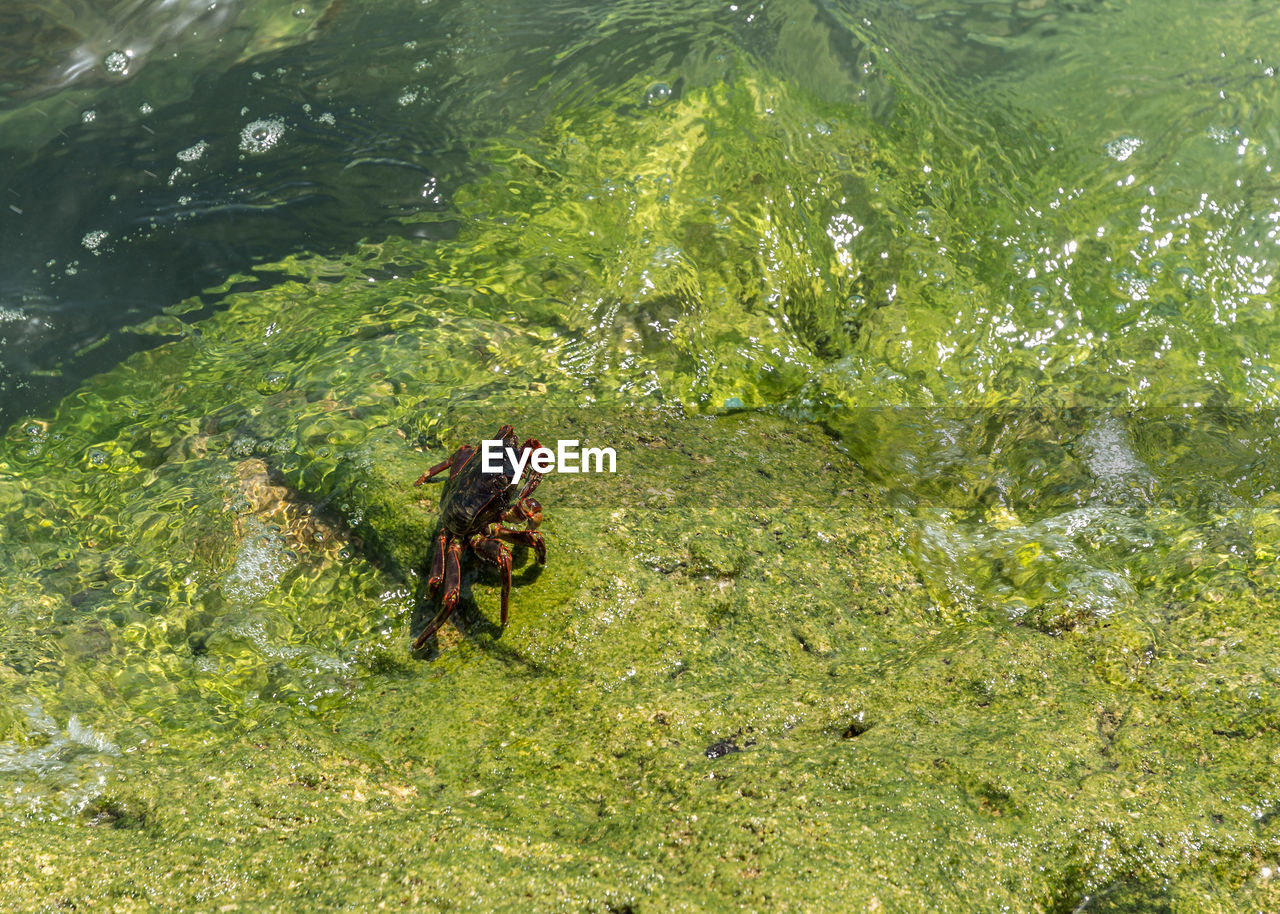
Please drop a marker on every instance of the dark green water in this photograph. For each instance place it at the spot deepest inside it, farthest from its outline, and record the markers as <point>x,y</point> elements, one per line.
<point>940,568</point>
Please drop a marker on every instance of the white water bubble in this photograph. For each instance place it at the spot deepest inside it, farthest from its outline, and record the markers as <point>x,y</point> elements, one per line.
<point>842,230</point>
<point>260,562</point>
<point>657,94</point>
<point>1123,147</point>
<point>192,153</point>
<point>261,135</point>
<point>93,240</point>
<point>117,63</point>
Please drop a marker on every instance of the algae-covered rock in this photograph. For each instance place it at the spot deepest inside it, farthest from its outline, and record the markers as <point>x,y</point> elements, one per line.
<point>728,686</point>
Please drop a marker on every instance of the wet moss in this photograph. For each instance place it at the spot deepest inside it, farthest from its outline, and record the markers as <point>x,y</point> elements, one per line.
<point>568,762</point>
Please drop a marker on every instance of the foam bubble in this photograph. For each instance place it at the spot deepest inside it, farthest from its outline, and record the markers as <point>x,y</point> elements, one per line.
<point>192,153</point>
<point>261,135</point>
<point>117,63</point>
<point>259,564</point>
<point>657,94</point>
<point>93,240</point>
<point>1123,147</point>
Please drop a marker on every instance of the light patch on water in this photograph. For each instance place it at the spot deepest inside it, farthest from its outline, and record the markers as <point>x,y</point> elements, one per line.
<point>1094,593</point>
<point>55,771</point>
<point>1099,593</point>
<point>1050,573</point>
<point>258,631</point>
<point>1109,457</point>
<point>87,736</point>
<point>261,135</point>
<point>842,229</point>
<point>259,563</point>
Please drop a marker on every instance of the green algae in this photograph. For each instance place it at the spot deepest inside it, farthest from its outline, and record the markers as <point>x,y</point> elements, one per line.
<point>812,657</point>
<point>693,600</point>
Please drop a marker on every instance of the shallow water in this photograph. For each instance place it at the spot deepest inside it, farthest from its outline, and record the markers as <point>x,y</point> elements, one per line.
<point>940,563</point>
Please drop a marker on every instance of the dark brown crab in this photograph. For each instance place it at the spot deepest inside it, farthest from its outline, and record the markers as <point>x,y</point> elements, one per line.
<point>473,509</point>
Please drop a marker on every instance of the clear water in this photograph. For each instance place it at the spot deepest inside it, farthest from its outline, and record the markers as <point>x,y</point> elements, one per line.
<point>1014,262</point>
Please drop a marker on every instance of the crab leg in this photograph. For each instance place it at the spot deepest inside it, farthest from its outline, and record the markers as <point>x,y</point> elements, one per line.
<point>495,553</point>
<point>436,469</point>
<point>452,584</point>
<point>526,509</point>
<point>456,461</point>
<point>437,562</point>
<point>530,538</point>
<point>531,483</point>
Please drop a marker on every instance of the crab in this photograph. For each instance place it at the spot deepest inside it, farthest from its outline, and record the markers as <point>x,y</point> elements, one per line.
<point>475,509</point>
